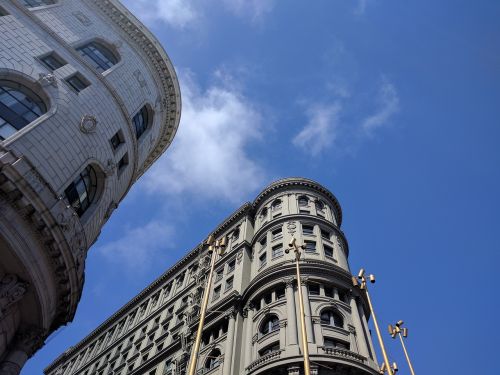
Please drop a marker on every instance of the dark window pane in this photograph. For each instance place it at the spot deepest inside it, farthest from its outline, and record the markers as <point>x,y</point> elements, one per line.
<point>77,83</point>
<point>141,122</point>
<point>328,251</point>
<point>53,62</point>
<point>81,192</point>
<point>98,56</point>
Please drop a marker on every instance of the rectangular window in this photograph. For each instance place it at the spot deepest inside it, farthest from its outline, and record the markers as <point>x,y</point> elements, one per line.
<point>277,251</point>
<point>263,243</point>
<point>230,266</point>
<point>280,293</point>
<point>314,289</point>
<point>229,283</point>
<point>77,82</point>
<point>122,164</point>
<point>277,234</point>
<point>328,291</point>
<point>53,61</point>
<point>325,234</point>
<point>328,251</point>
<point>310,246</point>
<point>219,274</point>
<point>37,3</point>
<point>217,292</point>
<point>308,230</point>
<point>263,260</point>
<point>117,140</point>
<point>268,298</point>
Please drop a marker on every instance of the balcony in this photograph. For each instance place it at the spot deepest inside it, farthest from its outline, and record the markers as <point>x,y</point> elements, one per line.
<point>270,357</point>
<point>344,354</point>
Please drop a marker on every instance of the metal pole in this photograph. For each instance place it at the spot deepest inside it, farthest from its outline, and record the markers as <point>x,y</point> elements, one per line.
<point>307,367</point>
<point>381,342</point>
<point>206,292</point>
<point>406,353</point>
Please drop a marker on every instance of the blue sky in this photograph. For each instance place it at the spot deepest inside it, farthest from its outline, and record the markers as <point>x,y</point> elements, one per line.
<point>392,105</point>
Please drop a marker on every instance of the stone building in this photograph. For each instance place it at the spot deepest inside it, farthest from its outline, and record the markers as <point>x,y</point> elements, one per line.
<point>252,322</point>
<point>88,101</point>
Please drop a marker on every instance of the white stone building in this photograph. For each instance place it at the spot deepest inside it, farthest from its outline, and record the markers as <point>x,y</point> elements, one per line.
<point>88,101</point>
<point>252,325</point>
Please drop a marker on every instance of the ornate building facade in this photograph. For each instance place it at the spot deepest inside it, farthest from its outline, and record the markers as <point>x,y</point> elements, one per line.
<point>252,324</point>
<point>88,101</point>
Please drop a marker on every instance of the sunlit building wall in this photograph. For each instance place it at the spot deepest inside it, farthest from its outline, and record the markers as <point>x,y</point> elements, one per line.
<point>253,324</point>
<point>88,101</point>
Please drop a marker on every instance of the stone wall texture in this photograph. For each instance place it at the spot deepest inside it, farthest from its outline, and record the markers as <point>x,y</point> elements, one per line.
<point>252,324</point>
<point>43,240</point>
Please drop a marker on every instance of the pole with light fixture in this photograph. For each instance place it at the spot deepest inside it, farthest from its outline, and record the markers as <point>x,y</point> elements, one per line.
<point>386,366</point>
<point>401,332</point>
<point>293,246</point>
<point>214,248</point>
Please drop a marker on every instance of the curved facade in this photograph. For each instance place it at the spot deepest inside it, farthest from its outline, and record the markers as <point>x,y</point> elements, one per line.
<point>252,326</point>
<point>88,101</point>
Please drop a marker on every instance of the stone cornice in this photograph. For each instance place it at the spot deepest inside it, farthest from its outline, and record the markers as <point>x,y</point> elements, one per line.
<point>151,48</point>
<point>291,182</point>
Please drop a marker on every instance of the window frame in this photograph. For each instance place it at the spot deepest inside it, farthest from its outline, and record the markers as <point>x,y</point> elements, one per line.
<point>104,60</point>
<point>90,195</point>
<point>142,126</point>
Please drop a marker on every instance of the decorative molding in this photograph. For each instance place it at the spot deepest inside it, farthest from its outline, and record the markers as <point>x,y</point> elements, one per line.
<point>292,227</point>
<point>80,16</point>
<point>47,79</point>
<point>88,124</point>
<point>11,291</point>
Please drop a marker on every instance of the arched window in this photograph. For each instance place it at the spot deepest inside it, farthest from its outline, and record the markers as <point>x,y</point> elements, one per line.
<point>37,3</point>
<point>332,318</point>
<point>98,55</point>
<point>213,360</point>
<point>82,191</point>
<point>303,201</point>
<point>270,349</point>
<point>270,324</point>
<point>276,205</point>
<point>141,120</point>
<point>18,107</point>
<point>320,206</point>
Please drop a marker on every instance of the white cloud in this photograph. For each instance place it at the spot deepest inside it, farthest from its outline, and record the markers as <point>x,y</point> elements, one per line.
<point>209,157</point>
<point>187,13</point>
<point>388,105</point>
<point>139,246</point>
<point>176,13</point>
<point>253,9</point>
<point>361,6</point>
<point>325,126</point>
<point>321,129</point>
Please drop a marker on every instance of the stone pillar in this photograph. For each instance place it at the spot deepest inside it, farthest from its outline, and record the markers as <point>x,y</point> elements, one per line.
<point>26,342</point>
<point>368,337</point>
<point>356,321</point>
<point>307,311</point>
<point>336,294</point>
<point>228,352</point>
<point>291,315</point>
<point>248,334</point>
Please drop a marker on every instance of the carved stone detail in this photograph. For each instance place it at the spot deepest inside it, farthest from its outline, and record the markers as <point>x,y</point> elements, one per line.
<point>47,79</point>
<point>80,16</point>
<point>292,227</point>
<point>88,124</point>
<point>11,291</point>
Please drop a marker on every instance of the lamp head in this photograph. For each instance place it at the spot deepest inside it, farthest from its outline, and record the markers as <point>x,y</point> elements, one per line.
<point>390,328</point>
<point>395,367</point>
<point>292,242</point>
<point>361,273</point>
<point>287,250</point>
<point>400,323</point>
<point>355,281</point>
<point>372,279</point>
<point>405,332</point>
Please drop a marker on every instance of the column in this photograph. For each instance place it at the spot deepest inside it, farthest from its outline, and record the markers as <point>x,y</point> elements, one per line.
<point>307,311</point>
<point>336,293</point>
<point>367,332</point>
<point>356,320</point>
<point>228,352</point>
<point>291,315</point>
<point>26,342</point>
<point>247,342</point>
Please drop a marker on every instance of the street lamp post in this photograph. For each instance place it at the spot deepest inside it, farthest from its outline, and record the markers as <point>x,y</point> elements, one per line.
<point>401,332</point>
<point>214,247</point>
<point>363,286</point>
<point>293,246</point>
